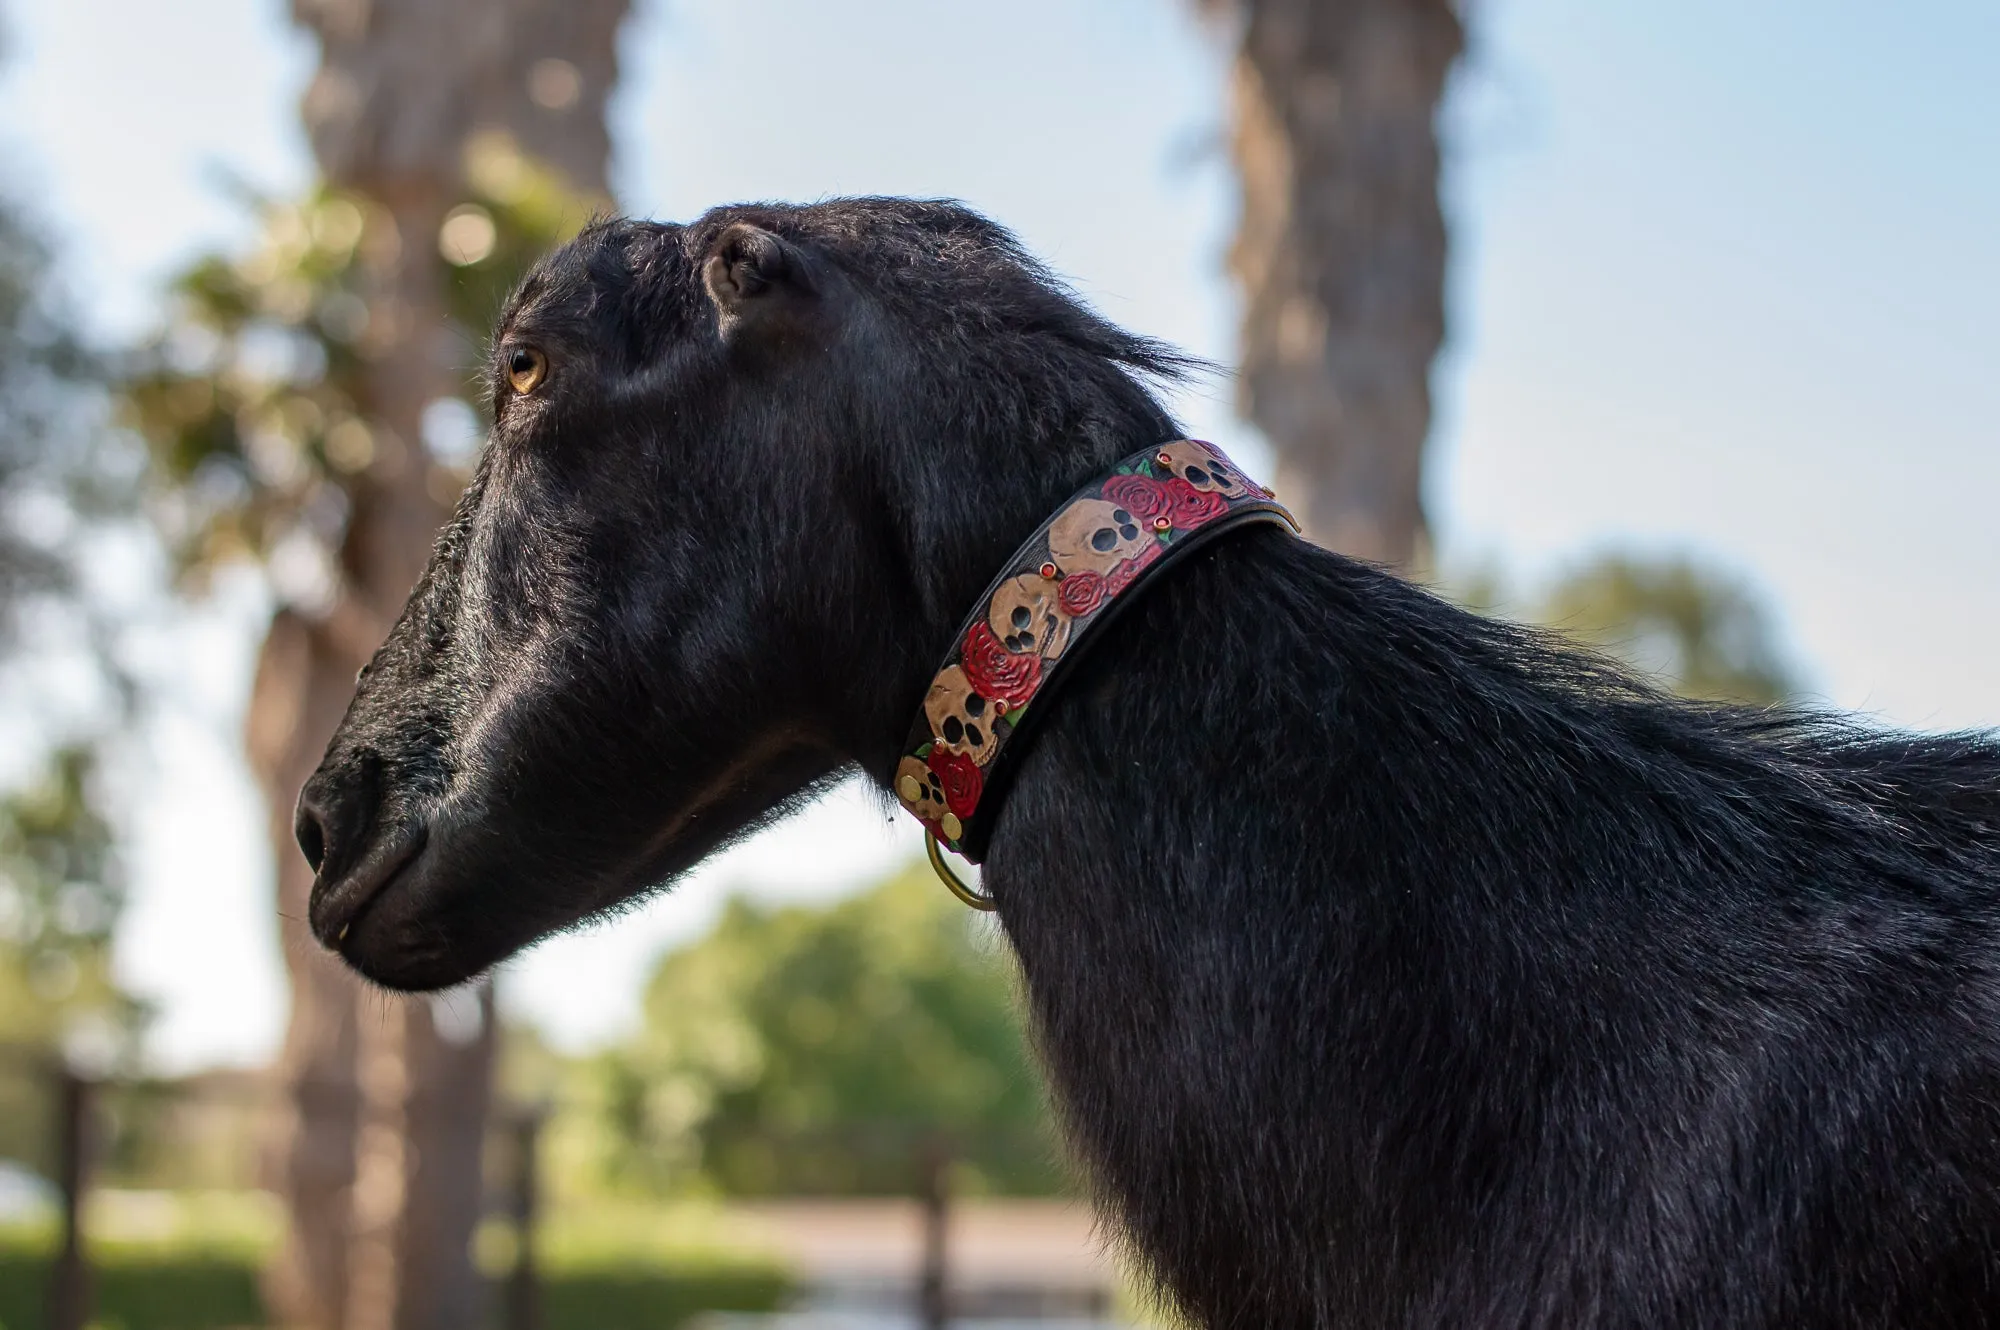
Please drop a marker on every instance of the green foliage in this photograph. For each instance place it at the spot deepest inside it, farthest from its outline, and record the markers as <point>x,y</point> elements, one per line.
<point>252,399</point>
<point>1697,631</point>
<point>63,478</point>
<point>60,893</point>
<point>60,888</point>
<point>190,1285</point>
<point>52,456</point>
<point>1702,633</point>
<point>633,1299</point>
<point>200,1292</point>
<point>190,1261</point>
<point>194,1292</point>
<point>818,1050</point>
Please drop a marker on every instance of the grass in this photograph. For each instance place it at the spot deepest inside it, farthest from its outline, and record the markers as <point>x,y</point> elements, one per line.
<point>190,1261</point>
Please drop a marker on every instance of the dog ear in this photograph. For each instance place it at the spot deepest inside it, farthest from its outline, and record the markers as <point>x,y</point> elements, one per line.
<point>752,276</point>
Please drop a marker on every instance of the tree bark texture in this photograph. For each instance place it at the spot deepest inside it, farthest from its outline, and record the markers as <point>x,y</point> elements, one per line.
<point>379,1153</point>
<point>1340,253</point>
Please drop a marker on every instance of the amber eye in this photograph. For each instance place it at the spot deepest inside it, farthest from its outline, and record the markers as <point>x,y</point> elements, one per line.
<point>526,368</point>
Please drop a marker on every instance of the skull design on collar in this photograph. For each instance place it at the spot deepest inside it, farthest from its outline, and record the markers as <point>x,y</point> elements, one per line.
<point>921,790</point>
<point>1034,618</point>
<point>962,720</point>
<point>1027,616</point>
<point>1095,536</point>
<point>1204,468</point>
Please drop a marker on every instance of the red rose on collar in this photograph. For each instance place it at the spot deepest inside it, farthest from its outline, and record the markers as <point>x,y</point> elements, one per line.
<point>1184,506</point>
<point>1081,592</point>
<point>1188,507</point>
<point>1142,496</point>
<point>1125,570</point>
<point>961,777</point>
<point>996,673</point>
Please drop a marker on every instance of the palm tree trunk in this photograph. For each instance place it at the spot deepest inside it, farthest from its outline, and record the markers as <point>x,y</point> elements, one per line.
<point>301,688</point>
<point>379,1154</point>
<point>1341,253</point>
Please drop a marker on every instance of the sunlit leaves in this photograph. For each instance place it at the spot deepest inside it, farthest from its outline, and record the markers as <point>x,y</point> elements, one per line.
<point>60,893</point>
<point>239,393</point>
<point>1688,626</point>
<point>819,1049</point>
<point>253,396</point>
<point>55,461</point>
<point>1704,634</point>
<point>529,209</point>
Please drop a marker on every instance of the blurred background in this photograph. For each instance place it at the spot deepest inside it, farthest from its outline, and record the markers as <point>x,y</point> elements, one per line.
<point>1671,327</point>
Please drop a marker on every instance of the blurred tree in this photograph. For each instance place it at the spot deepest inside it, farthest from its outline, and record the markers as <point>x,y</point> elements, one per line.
<point>1699,632</point>
<point>52,466</point>
<point>817,1049</point>
<point>1340,253</point>
<point>307,408</point>
<point>255,400</point>
<point>64,478</point>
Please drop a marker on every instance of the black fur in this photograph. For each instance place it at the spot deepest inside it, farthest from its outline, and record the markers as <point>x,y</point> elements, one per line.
<point>1393,967</point>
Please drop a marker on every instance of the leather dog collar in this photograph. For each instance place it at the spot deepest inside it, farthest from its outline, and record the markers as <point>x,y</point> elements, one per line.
<point>1052,598</point>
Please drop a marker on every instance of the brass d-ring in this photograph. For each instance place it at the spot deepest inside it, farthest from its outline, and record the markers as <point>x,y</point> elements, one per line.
<point>972,896</point>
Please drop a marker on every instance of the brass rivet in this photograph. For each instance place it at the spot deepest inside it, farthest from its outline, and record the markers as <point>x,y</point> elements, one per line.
<point>951,826</point>
<point>1165,459</point>
<point>910,788</point>
<point>1162,524</point>
<point>999,706</point>
<point>1049,571</point>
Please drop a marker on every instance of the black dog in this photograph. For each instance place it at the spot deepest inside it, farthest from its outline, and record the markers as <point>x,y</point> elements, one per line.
<point>1393,967</point>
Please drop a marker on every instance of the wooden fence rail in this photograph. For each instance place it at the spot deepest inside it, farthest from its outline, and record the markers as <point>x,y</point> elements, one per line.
<point>69,1280</point>
<point>77,1101</point>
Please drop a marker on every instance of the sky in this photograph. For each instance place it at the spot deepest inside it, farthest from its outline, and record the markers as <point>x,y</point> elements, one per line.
<point>1722,282</point>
